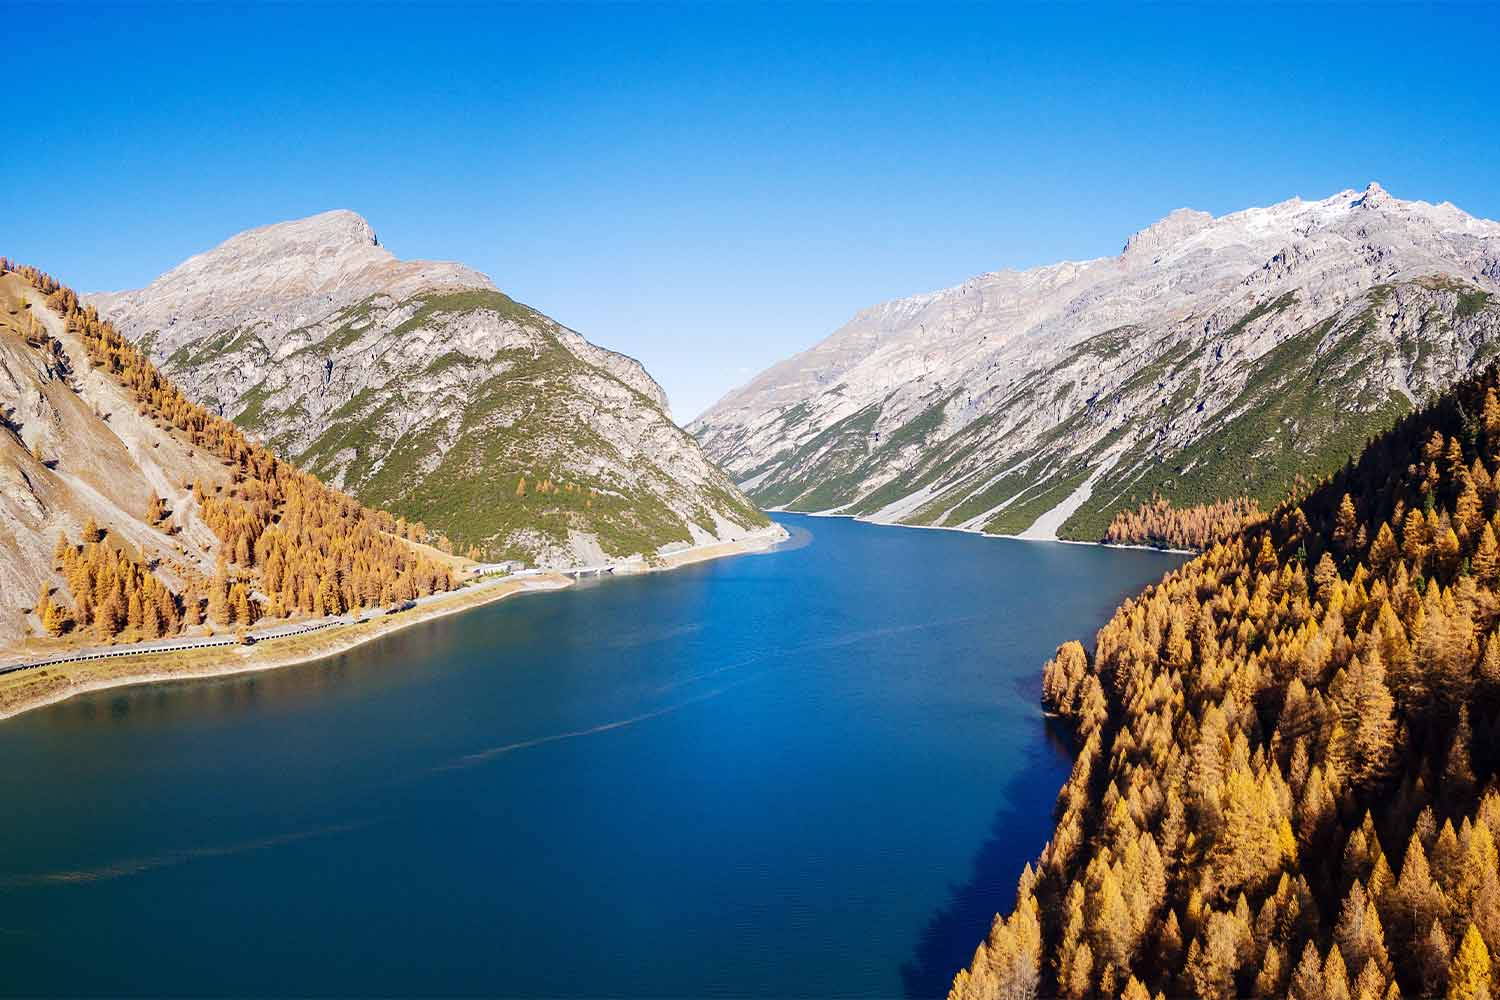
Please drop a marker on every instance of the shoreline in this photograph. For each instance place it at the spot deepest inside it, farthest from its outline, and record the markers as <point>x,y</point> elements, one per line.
<point>977,532</point>
<point>27,690</point>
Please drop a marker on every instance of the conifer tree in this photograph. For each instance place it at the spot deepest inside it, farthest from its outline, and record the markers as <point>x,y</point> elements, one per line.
<point>109,618</point>
<point>54,622</point>
<point>1345,526</point>
<point>1368,715</point>
<point>151,624</point>
<point>240,600</point>
<point>219,611</point>
<point>1307,980</point>
<point>1432,957</point>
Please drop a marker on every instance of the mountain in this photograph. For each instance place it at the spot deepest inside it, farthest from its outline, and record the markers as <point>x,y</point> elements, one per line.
<point>128,511</point>
<point>1288,770</point>
<point>420,388</point>
<point>1212,359</point>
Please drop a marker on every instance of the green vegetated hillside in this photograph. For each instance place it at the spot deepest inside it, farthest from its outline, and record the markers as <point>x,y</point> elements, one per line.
<point>1306,406</point>
<point>516,462</point>
<point>1286,781</point>
<point>1182,422</point>
<point>420,387</point>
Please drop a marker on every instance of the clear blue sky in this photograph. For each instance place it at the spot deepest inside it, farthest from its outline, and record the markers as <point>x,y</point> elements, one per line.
<point>712,188</point>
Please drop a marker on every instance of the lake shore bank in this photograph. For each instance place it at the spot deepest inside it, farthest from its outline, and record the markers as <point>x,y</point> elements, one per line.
<point>26,690</point>
<point>976,531</point>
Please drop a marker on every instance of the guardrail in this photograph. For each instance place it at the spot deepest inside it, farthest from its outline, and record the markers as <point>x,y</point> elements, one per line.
<point>210,643</point>
<point>206,643</point>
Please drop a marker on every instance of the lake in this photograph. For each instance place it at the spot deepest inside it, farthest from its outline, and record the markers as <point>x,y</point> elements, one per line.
<point>812,772</point>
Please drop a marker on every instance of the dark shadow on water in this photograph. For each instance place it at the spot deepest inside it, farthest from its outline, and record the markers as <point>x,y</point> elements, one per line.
<point>1016,836</point>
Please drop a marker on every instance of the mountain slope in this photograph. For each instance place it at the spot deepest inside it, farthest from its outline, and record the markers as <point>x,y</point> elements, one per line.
<point>1286,783</point>
<point>126,508</point>
<point>1211,359</point>
<point>421,388</point>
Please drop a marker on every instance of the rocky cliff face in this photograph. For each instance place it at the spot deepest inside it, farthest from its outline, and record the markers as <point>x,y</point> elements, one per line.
<point>1211,358</point>
<point>419,387</point>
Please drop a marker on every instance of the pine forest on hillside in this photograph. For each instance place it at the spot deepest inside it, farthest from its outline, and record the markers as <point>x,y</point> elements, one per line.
<point>1287,751</point>
<point>288,544</point>
<point>1160,524</point>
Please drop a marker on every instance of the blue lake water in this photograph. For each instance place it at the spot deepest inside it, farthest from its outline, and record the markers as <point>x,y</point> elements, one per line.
<point>814,772</point>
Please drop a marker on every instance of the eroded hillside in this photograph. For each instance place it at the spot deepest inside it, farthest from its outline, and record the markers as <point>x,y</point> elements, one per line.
<point>1213,359</point>
<point>131,512</point>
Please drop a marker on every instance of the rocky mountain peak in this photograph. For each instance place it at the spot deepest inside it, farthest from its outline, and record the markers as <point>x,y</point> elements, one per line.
<point>1373,196</point>
<point>282,274</point>
<point>338,228</point>
<point>1177,226</point>
<point>330,244</point>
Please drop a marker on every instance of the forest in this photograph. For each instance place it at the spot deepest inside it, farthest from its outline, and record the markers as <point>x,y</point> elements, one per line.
<point>1159,524</point>
<point>1286,752</point>
<point>288,543</point>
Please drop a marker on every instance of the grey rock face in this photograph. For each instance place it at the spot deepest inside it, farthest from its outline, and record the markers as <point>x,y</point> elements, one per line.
<point>1211,358</point>
<point>419,387</point>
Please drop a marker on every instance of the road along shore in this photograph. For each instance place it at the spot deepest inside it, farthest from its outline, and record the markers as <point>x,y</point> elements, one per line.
<point>27,689</point>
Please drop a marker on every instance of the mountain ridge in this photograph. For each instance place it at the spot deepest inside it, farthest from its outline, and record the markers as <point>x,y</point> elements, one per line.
<point>989,403</point>
<point>422,388</point>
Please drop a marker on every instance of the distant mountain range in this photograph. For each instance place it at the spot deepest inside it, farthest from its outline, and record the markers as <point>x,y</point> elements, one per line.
<point>1212,358</point>
<point>422,389</point>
